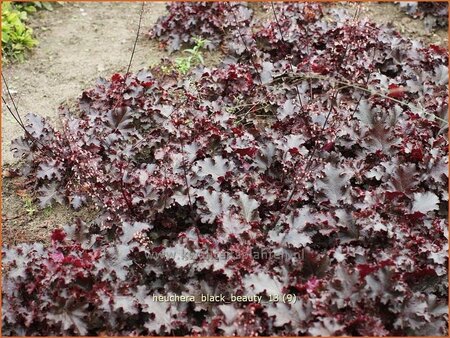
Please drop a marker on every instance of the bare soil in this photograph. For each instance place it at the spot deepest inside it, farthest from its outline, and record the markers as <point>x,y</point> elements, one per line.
<point>390,14</point>
<point>22,222</point>
<point>79,42</point>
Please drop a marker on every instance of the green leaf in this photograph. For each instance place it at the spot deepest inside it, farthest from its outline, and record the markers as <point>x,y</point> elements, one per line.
<point>47,5</point>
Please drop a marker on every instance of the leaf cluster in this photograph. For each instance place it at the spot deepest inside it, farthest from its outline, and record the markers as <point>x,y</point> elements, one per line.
<point>17,37</point>
<point>232,183</point>
<point>209,20</point>
<point>194,58</point>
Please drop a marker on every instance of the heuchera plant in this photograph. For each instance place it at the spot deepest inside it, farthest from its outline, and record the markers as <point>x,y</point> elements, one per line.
<point>229,181</point>
<point>434,14</point>
<point>210,20</point>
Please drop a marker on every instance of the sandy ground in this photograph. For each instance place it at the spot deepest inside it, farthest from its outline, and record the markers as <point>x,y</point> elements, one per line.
<point>390,14</point>
<point>79,42</point>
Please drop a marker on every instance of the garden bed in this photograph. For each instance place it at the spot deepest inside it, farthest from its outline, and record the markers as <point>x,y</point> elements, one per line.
<point>308,170</point>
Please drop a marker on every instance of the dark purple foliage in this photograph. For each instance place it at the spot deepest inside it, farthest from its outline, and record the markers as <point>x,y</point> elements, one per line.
<point>192,177</point>
<point>209,20</point>
<point>434,14</point>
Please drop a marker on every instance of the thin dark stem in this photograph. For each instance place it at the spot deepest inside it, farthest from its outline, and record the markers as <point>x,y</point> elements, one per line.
<point>19,120</point>
<point>14,116</point>
<point>308,162</point>
<point>130,62</point>
<point>124,195</point>
<point>357,13</point>
<point>365,85</point>
<point>11,98</point>
<point>284,42</point>
<point>20,123</point>
<point>247,49</point>
<point>184,170</point>
<point>305,28</point>
<point>311,156</point>
<point>136,39</point>
<point>364,89</point>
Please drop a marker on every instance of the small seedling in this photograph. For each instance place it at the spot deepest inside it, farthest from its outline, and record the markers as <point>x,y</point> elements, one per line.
<point>184,64</point>
<point>48,210</point>
<point>29,206</point>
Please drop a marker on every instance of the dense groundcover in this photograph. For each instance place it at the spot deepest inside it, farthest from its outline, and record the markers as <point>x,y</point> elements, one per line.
<point>311,163</point>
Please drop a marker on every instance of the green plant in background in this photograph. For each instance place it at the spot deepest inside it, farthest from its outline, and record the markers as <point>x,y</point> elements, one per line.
<point>33,6</point>
<point>184,64</point>
<point>29,206</point>
<point>17,38</point>
<point>48,211</point>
